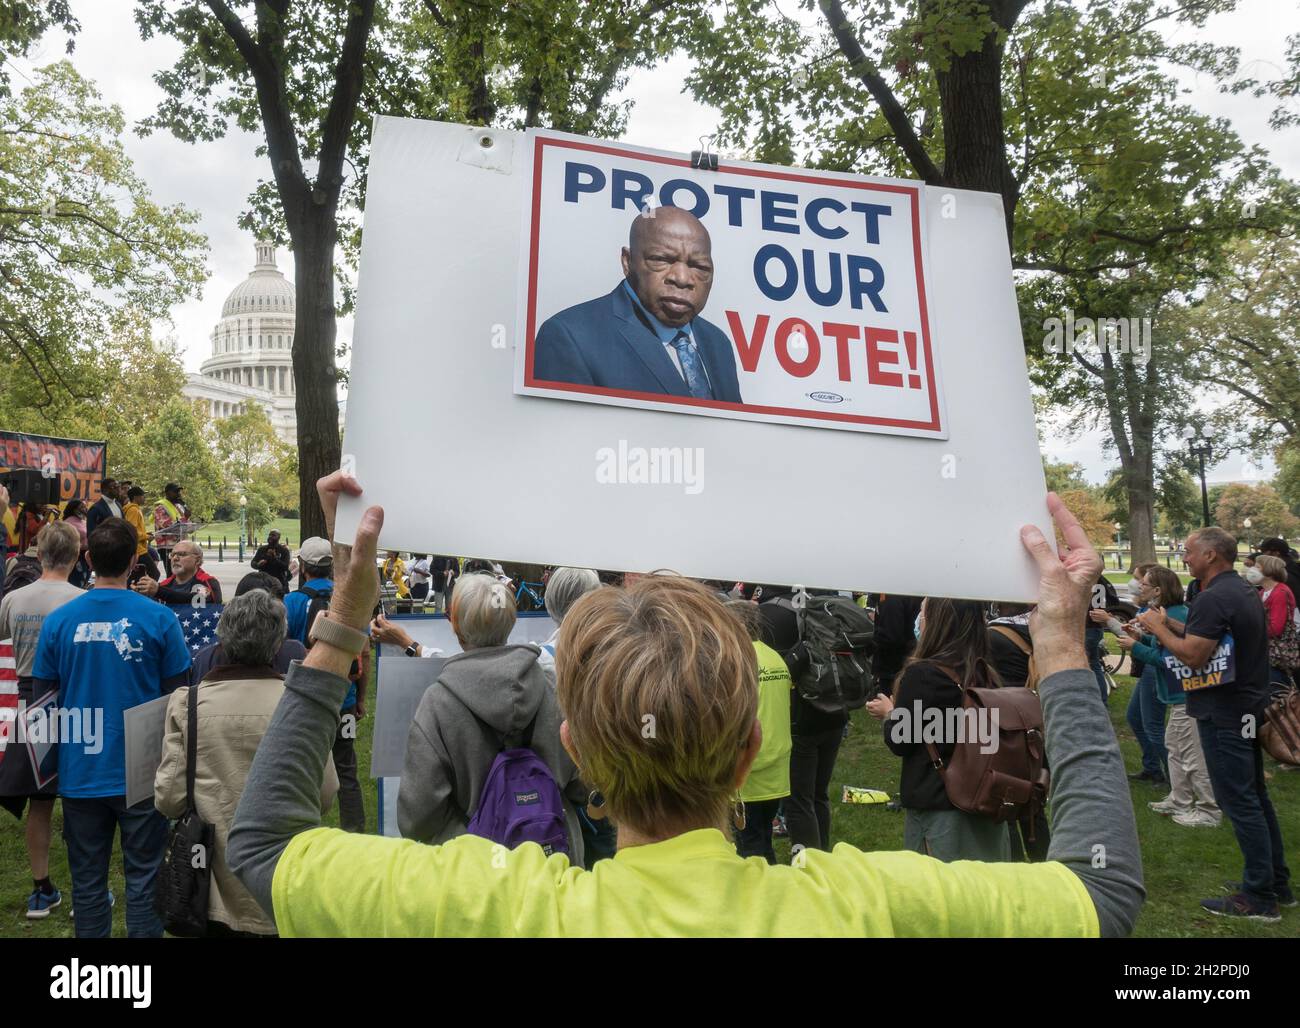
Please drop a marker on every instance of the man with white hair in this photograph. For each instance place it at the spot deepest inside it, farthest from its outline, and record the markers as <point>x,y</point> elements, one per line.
<point>186,579</point>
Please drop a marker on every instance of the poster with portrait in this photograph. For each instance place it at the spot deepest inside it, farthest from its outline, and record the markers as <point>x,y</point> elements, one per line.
<point>747,291</point>
<point>848,407</point>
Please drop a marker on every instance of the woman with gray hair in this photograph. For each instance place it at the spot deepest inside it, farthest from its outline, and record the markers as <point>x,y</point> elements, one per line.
<point>235,702</point>
<point>490,698</point>
<point>563,589</point>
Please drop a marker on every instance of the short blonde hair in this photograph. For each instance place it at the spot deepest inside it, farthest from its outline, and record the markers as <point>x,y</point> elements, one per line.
<point>1271,567</point>
<point>659,684</point>
<point>482,611</point>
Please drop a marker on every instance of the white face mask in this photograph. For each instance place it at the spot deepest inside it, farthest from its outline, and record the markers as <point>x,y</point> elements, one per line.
<point>1134,585</point>
<point>1254,576</point>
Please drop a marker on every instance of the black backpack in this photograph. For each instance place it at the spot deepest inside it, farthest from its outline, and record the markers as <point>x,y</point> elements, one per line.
<point>838,639</point>
<point>318,602</point>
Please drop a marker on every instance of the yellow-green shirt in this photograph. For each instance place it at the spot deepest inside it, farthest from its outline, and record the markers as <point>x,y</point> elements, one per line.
<point>334,883</point>
<point>769,778</point>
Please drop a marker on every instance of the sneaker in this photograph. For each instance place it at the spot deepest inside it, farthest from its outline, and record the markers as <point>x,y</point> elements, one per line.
<point>112,902</point>
<point>1239,905</point>
<point>778,827</point>
<point>1166,807</point>
<point>39,904</point>
<point>1285,897</point>
<point>1197,819</point>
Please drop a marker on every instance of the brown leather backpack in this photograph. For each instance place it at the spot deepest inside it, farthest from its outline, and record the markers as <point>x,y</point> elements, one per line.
<point>1280,735</point>
<point>1010,783</point>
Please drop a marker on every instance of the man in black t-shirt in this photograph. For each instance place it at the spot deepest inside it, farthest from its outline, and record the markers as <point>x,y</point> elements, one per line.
<point>1226,622</point>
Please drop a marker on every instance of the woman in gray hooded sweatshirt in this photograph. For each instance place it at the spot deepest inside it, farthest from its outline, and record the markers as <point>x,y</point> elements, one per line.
<point>484,695</point>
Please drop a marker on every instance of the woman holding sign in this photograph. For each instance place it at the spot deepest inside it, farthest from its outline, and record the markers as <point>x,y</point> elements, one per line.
<point>657,683</point>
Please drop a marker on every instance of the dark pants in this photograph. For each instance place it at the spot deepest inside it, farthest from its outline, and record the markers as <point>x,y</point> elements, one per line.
<point>807,808</point>
<point>1092,636</point>
<point>755,839</point>
<point>88,828</point>
<point>1146,716</point>
<point>1236,767</point>
<point>420,591</point>
<point>352,806</point>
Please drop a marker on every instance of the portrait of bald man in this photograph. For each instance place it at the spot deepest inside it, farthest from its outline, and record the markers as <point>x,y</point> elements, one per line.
<point>647,335</point>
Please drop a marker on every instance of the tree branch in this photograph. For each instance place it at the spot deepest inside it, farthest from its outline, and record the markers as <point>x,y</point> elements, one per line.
<point>893,111</point>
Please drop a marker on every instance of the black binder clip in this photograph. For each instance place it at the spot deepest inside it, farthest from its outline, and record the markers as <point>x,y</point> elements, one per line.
<point>704,158</point>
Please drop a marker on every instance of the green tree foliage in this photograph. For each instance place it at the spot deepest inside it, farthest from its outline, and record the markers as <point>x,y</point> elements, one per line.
<point>24,22</point>
<point>245,442</point>
<point>1266,510</point>
<point>125,380</point>
<point>1178,502</point>
<point>84,251</point>
<point>1287,480</point>
<point>1243,336</point>
<point>258,465</point>
<point>171,448</point>
<point>1062,476</point>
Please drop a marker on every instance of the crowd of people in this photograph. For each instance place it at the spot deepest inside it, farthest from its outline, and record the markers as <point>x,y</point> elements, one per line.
<point>665,721</point>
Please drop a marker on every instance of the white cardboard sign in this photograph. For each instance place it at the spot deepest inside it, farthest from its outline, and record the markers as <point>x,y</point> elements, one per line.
<point>534,478</point>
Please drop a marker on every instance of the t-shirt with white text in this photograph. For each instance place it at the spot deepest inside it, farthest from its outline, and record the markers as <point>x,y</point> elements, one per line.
<point>109,649</point>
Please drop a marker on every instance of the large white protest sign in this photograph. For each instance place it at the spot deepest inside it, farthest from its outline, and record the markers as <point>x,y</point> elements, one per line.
<point>804,294</point>
<point>506,475</point>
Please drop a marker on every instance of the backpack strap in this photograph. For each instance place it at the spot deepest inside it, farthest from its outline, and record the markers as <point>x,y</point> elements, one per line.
<point>191,745</point>
<point>1007,632</point>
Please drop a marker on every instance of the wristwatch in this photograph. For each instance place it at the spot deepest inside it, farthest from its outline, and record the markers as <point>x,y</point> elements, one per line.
<point>327,630</point>
<point>413,650</point>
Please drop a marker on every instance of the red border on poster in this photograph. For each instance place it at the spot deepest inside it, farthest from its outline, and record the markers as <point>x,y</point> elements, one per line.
<point>690,401</point>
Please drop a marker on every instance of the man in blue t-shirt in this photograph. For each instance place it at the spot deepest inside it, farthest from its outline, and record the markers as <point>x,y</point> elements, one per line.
<point>316,558</point>
<point>1226,625</point>
<point>103,653</point>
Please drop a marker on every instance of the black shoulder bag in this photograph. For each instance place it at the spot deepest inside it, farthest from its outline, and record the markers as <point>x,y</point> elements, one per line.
<point>185,876</point>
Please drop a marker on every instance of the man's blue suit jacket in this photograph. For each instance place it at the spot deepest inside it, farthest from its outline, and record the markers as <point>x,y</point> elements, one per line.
<point>603,343</point>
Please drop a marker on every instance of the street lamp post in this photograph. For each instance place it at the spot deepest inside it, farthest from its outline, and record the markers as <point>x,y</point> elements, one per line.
<point>1119,546</point>
<point>1200,449</point>
<point>243,525</point>
<point>1246,525</point>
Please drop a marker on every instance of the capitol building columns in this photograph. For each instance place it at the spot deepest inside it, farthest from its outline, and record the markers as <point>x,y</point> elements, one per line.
<point>251,352</point>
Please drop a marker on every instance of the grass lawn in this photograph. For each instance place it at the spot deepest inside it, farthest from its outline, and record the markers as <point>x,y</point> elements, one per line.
<point>1183,865</point>
<point>290,532</point>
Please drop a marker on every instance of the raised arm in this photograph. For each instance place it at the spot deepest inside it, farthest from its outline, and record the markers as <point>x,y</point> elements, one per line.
<point>282,796</point>
<point>1093,830</point>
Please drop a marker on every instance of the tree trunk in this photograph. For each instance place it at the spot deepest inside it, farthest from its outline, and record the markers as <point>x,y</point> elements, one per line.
<point>1141,521</point>
<point>315,375</point>
<point>974,138</point>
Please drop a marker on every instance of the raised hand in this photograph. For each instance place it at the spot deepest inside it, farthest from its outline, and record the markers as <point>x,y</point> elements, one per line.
<point>1064,590</point>
<point>356,586</point>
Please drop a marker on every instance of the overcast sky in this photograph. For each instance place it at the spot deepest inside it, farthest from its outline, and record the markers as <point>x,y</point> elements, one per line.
<point>216,178</point>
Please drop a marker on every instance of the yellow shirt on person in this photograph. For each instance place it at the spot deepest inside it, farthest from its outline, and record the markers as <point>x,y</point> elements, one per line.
<point>395,572</point>
<point>329,882</point>
<point>769,778</point>
<point>135,518</point>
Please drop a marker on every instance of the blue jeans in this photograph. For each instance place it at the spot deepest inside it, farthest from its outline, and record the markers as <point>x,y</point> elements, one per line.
<point>1092,636</point>
<point>1146,716</point>
<point>1236,767</point>
<point>88,828</point>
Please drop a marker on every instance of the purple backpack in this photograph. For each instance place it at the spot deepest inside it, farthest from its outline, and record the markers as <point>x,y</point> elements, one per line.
<point>520,801</point>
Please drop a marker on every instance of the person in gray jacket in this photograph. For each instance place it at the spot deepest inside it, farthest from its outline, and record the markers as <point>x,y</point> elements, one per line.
<point>483,695</point>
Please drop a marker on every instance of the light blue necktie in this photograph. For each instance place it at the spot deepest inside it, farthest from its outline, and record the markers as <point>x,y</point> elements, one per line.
<point>692,367</point>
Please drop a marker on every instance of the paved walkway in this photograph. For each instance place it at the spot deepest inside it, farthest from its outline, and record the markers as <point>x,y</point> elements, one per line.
<point>228,572</point>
